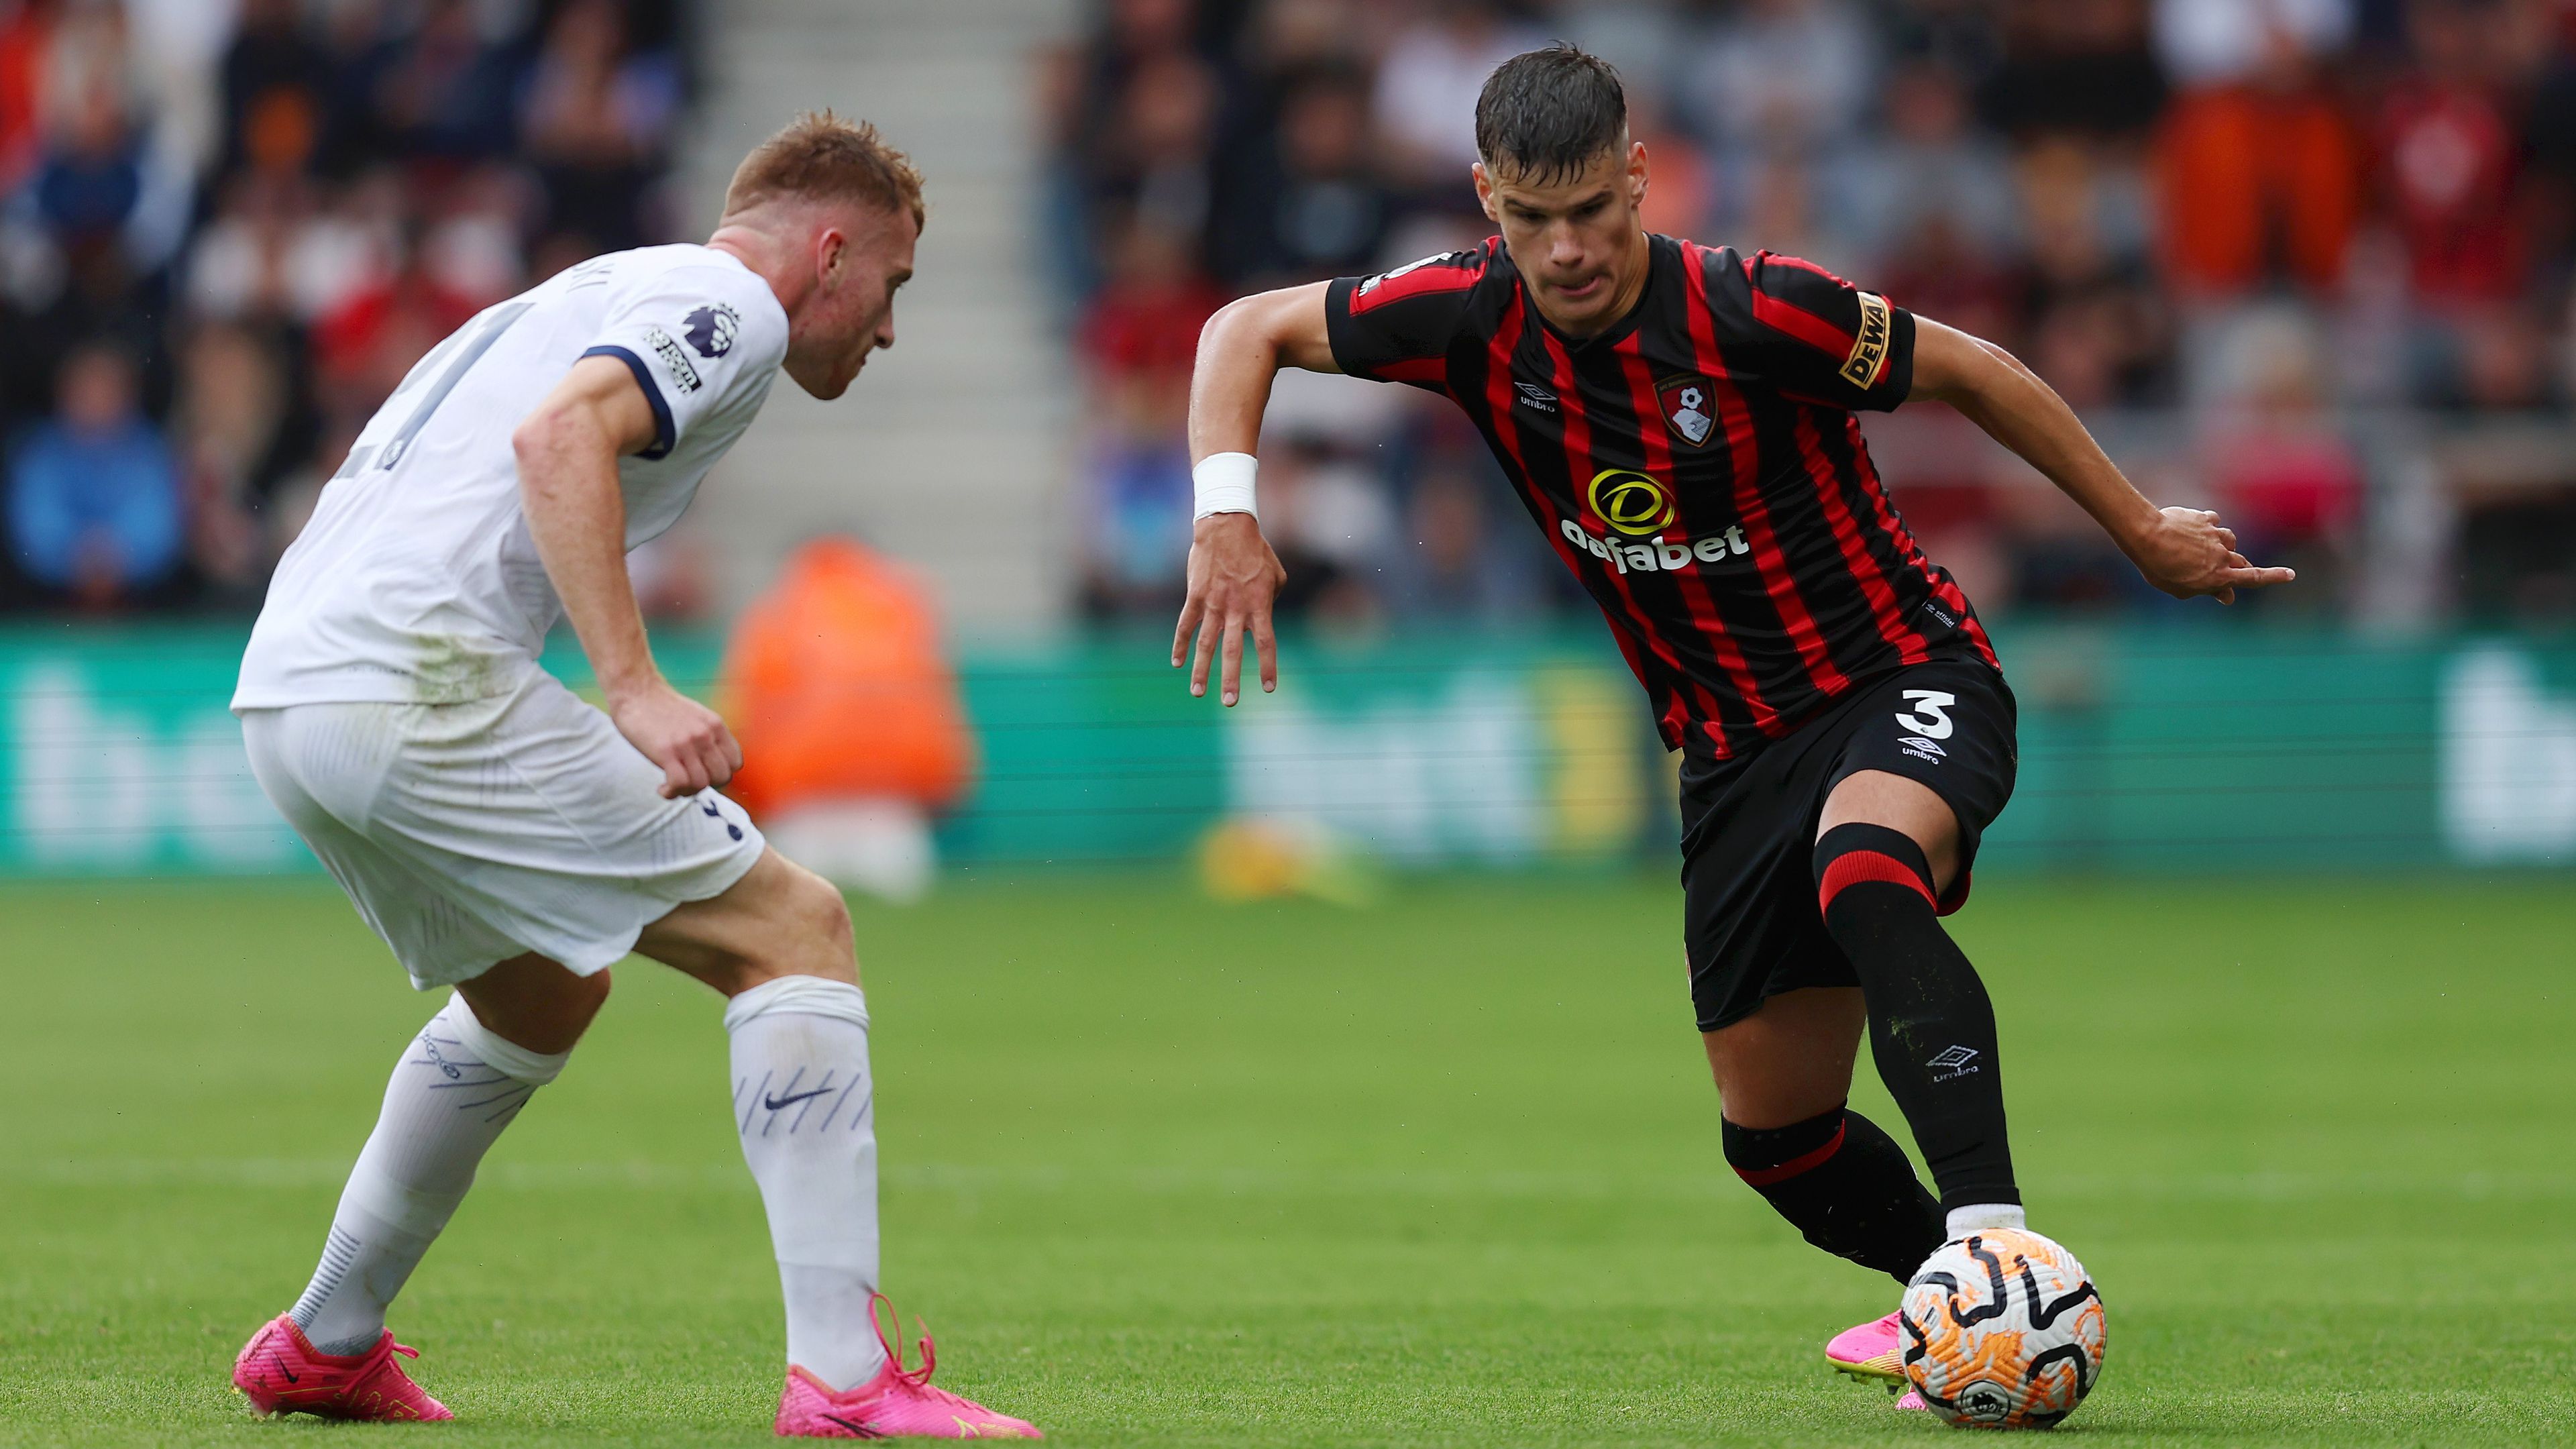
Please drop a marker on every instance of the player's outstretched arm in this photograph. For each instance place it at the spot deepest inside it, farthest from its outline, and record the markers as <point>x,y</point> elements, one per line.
<point>1233,573</point>
<point>568,450</point>
<point>2183,551</point>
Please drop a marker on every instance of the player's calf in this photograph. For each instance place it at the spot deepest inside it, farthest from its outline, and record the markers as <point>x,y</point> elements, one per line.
<point>1931,1024</point>
<point>457,1085</point>
<point>1844,1184</point>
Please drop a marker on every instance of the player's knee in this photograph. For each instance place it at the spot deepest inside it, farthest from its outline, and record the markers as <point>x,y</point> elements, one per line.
<point>1857,860</point>
<point>590,993</point>
<point>826,913</point>
<point>1904,807</point>
<point>815,934</point>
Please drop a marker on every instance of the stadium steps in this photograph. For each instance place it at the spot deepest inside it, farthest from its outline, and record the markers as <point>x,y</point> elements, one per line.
<point>950,451</point>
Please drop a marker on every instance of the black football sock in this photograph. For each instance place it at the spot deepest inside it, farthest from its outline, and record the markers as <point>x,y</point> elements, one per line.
<point>1845,1185</point>
<point>1931,1025</point>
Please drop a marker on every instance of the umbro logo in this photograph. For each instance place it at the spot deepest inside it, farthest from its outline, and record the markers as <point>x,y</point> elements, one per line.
<point>1952,1061</point>
<point>1922,749</point>
<point>1536,398</point>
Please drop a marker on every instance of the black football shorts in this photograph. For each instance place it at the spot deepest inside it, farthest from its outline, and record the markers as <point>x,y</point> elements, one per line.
<point>1750,922</point>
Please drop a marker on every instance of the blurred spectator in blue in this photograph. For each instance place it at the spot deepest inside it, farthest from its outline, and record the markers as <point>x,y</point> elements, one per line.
<point>1313,205</point>
<point>597,120</point>
<point>76,252</point>
<point>91,179</point>
<point>93,494</point>
<point>443,92</point>
<point>1427,85</point>
<point>122,137</point>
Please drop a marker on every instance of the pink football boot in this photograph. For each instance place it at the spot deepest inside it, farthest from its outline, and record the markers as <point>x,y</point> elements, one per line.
<point>280,1372</point>
<point>897,1403</point>
<point>1874,1353</point>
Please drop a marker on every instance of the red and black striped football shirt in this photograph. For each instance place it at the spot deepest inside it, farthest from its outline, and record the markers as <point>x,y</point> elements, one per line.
<point>1697,466</point>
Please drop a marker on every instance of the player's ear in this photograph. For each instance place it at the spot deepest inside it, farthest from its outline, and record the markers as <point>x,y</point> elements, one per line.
<point>1636,173</point>
<point>1485,191</point>
<point>831,256</point>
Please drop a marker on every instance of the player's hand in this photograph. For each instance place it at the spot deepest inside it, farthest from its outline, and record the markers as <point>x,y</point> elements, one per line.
<point>2187,554</point>
<point>686,740</point>
<point>1233,578</point>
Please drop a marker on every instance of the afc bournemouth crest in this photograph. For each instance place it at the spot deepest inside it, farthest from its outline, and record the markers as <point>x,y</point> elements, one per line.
<point>1689,408</point>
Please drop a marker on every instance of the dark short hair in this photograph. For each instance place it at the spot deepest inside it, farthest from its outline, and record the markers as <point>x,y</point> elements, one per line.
<point>1545,114</point>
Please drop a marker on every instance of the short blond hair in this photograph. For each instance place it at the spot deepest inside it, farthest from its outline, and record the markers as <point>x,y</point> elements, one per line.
<point>821,156</point>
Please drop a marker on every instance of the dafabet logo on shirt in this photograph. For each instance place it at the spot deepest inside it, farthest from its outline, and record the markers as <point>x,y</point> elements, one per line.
<point>1630,502</point>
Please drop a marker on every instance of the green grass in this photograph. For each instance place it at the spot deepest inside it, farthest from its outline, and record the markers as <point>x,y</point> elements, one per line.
<point>1443,1172</point>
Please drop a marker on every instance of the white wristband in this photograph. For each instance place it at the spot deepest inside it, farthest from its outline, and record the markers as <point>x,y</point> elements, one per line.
<point>1223,482</point>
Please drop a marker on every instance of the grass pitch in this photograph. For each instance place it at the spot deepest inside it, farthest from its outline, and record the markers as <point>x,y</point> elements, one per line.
<point>1442,1172</point>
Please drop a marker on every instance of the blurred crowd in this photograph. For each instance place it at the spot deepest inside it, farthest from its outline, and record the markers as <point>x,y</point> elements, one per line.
<point>2272,246</point>
<point>228,228</point>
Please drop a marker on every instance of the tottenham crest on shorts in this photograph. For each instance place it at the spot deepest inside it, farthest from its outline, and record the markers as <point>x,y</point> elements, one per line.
<point>1689,407</point>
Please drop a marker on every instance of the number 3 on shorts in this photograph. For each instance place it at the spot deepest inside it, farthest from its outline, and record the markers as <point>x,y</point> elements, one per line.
<point>1934,721</point>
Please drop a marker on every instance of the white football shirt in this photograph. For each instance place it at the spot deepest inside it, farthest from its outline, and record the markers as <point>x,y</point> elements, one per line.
<point>417,580</point>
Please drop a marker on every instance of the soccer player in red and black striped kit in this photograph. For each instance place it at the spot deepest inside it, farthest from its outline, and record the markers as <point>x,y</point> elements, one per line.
<point>1678,419</point>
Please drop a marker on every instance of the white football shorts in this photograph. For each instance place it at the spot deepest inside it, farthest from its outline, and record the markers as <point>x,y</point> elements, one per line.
<point>470,833</point>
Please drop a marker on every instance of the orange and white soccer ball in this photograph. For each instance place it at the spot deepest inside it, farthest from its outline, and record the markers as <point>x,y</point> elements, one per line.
<point>2002,1330</point>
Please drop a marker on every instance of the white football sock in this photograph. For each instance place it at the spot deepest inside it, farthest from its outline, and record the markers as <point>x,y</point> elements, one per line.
<point>806,1111</point>
<point>455,1088</point>
<point>1985,1217</point>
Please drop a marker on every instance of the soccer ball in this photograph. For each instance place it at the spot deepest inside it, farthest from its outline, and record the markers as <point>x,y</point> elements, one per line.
<point>2002,1331</point>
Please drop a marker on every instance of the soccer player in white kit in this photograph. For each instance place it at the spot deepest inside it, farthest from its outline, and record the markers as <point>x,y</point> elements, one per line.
<point>510,841</point>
